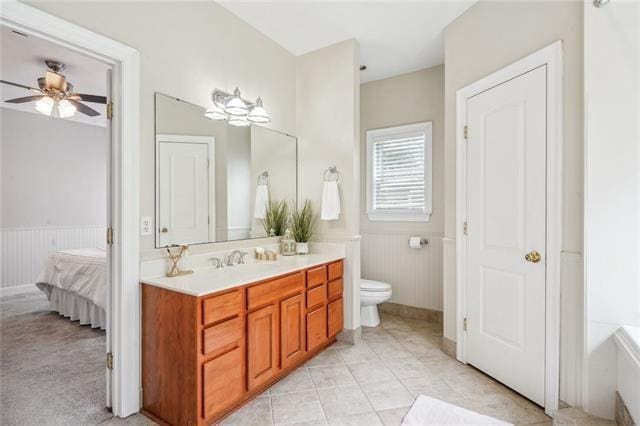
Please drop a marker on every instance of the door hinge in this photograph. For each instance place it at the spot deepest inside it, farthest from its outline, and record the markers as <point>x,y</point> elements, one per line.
<point>464,324</point>
<point>110,361</point>
<point>466,132</point>
<point>465,228</point>
<point>110,110</point>
<point>109,236</point>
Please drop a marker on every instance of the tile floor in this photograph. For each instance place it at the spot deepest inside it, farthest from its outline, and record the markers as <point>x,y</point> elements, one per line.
<point>376,381</point>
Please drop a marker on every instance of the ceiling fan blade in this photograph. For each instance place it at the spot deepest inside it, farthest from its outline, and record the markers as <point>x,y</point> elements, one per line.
<point>20,85</point>
<point>83,108</point>
<point>89,98</point>
<point>25,99</point>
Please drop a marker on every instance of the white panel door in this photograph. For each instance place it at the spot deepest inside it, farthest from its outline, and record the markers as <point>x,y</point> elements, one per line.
<point>183,193</point>
<point>506,225</point>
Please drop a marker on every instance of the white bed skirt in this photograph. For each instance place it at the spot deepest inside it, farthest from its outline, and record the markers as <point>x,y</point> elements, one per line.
<point>74,307</point>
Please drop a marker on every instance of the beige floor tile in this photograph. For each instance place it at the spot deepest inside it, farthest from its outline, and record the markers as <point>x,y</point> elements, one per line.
<point>406,334</point>
<point>296,408</point>
<point>387,395</point>
<point>472,383</point>
<point>255,413</point>
<point>344,400</point>
<point>394,416</point>
<point>330,376</point>
<point>381,336</point>
<point>389,350</point>
<point>404,368</point>
<point>358,353</point>
<point>297,381</point>
<point>362,419</point>
<point>433,387</point>
<point>369,372</point>
<point>419,346</point>
<point>329,356</point>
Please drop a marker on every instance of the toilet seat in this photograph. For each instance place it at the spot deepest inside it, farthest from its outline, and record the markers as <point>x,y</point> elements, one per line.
<point>374,286</point>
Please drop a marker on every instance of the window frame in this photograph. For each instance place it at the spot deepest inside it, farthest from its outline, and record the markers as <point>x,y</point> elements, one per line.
<point>401,215</point>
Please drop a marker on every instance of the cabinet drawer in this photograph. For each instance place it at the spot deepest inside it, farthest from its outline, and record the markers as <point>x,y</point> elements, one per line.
<point>269,292</point>
<point>223,382</point>
<point>335,289</point>
<point>316,276</point>
<point>221,307</point>
<point>316,328</point>
<point>317,296</point>
<point>222,335</point>
<point>335,270</point>
<point>335,319</point>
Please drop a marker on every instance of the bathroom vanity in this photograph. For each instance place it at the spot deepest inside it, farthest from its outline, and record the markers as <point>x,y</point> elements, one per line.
<point>213,340</point>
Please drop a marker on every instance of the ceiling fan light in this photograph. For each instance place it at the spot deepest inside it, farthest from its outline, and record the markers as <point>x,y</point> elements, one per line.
<point>258,114</point>
<point>45,105</point>
<point>66,109</point>
<point>239,122</point>
<point>235,105</point>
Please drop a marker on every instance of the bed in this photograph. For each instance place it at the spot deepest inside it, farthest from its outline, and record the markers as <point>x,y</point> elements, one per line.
<point>75,282</point>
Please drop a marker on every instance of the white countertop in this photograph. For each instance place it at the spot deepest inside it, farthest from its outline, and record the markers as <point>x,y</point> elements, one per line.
<point>211,280</point>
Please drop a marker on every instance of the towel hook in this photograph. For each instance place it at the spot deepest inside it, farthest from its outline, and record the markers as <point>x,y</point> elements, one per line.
<point>331,171</point>
<point>263,178</point>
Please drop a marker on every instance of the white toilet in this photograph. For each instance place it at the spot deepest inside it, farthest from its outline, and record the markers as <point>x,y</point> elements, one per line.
<point>372,293</point>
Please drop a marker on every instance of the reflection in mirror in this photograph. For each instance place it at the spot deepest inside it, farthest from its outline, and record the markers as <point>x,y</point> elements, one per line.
<point>214,181</point>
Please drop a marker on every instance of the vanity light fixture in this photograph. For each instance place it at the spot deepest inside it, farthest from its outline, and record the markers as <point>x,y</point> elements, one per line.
<point>232,107</point>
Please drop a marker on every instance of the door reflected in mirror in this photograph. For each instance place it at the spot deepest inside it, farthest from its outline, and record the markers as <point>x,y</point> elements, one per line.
<point>214,181</point>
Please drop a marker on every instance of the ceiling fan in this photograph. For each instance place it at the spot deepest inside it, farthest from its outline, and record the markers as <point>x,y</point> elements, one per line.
<point>55,94</point>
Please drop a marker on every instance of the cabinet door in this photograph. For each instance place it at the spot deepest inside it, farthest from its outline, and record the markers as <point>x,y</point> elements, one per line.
<point>335,317</point>
<point>292,330</point>
<point>262,345</point>
<point>223,382</point>
<point>316,328</point>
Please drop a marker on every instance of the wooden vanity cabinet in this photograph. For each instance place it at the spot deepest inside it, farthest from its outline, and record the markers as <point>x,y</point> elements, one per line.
<point>203,357</point>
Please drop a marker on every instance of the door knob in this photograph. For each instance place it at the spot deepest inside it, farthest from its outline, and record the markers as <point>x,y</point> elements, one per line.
<point>164,230</point>
<point>534,257</point>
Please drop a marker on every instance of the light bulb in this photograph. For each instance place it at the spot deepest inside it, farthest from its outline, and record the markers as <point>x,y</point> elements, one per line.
<point>235,105</point>
<point>66,109</point>
<point>214,112</point>
<point>45,105</point>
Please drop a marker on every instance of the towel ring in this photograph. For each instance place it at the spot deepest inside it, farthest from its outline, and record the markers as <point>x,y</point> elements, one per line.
<point>331,171</point>
<point>263,178</point>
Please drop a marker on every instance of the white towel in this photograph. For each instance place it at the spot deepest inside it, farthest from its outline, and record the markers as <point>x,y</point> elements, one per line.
<point>431,411</point>
<point>262,199</point>
<point>330,201</point>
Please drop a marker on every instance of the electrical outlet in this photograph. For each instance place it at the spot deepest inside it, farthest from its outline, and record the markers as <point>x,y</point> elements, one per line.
<point>146,226</point>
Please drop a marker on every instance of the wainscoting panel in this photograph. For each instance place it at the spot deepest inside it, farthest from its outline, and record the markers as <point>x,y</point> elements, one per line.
<point>415,275</point>
<point>24,251</point>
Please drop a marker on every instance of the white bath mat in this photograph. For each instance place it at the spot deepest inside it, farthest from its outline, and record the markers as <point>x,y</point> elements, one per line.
<point>430,411</point>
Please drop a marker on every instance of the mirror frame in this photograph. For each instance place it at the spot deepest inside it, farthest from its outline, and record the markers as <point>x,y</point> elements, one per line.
<point>156,216</point>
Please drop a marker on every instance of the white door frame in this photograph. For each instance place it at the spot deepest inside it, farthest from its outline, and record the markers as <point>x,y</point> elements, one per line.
<point>551,56</point>
<point>210,141</point>
<point>125,175</point>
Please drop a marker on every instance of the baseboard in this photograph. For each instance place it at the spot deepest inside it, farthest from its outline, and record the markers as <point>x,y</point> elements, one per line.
<point>448,347</point>
<point>17,289</point>
<point>411,312</point>
<point>622,415</point>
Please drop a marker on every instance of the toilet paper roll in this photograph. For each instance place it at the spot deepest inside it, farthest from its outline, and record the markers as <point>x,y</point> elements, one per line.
<point>415,242</point>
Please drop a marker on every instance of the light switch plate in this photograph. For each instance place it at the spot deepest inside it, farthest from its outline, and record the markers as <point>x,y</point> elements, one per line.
<point>146,227</point>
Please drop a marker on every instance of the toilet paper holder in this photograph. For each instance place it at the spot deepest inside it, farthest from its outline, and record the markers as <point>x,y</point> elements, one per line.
<point>423,243</point>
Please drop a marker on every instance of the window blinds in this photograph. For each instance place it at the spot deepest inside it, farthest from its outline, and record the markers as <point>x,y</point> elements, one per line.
<point>399,173</point>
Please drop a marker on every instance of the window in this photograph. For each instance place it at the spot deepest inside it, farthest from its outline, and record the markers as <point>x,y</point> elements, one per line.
<point>399,173</point>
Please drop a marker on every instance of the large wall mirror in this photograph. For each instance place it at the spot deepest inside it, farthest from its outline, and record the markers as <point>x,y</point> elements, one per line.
<point>213,180</point>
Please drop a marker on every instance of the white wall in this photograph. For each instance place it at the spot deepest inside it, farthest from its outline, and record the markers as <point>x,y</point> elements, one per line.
<point>612,191</point>
<point>187,50</point>
<point>488,36</point>
<point>54,172</point>
<point>415,275</point>
<point>53,190</point>
<point>328,108</point>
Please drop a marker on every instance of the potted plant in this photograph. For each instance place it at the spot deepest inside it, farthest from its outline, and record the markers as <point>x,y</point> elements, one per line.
<point>275,221</point>
<point>303,222</point>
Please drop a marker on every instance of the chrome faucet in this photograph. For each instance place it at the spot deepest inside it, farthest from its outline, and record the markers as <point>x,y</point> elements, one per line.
<point>218,262</point>
<point>236,253</point>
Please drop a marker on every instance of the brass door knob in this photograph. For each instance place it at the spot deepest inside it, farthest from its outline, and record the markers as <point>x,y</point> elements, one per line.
<point>533,256</point>
<point>164,230</point>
